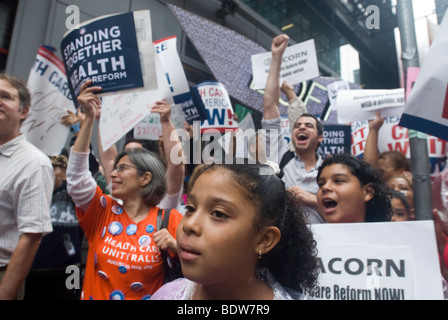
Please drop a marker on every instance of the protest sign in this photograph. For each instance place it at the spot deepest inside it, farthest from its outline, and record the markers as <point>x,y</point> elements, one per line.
<point>218,107</point>
<point>337,140</point>
<point>392,136</point>
<point>50,99</point>
<point>356,105</point>
<point>299,64</point>
<point>178,90</point>
<point>122,112</point>
<point>427,107</point>
<point>334,88</point>
<point>172,87</point>
<point>357,264</point>
<point>111,50</point>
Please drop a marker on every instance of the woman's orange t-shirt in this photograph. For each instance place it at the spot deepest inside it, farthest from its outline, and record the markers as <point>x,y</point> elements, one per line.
<point>123,262</point>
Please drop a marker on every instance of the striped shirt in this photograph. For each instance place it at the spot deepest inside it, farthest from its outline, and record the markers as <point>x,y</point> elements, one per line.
<point>26,187</point>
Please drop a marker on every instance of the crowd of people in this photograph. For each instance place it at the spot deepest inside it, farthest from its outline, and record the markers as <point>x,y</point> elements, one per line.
<point>237,233</point>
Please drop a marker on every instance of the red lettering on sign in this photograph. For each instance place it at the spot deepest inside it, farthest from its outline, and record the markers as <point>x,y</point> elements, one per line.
<point>402,146</point>
<point>399,132</point>
<point>445,106</point>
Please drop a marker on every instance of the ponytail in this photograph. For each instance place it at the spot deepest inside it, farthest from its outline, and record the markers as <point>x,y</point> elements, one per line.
<point>293,261</point>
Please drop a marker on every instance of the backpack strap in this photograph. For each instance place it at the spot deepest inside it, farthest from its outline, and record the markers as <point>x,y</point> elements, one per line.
<point>163,224</point>
<point>286,158</point>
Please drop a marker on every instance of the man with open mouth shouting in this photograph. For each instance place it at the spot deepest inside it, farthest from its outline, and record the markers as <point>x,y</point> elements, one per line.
<point>300,166</point>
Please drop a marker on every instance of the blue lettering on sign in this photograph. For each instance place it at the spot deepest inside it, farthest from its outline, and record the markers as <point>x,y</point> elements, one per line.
<point>219,115</point>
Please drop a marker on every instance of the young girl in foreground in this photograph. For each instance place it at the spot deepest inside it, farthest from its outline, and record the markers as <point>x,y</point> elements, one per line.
<point>351,190</point>
<point>242,237</point>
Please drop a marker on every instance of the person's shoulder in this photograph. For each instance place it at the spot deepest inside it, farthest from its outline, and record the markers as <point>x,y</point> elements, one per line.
<point>170,290</point>
<point>34,155</point>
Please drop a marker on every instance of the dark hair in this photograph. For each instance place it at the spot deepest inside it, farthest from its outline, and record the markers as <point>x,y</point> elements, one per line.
<point>378,208</point>
<point>398,159</point>
<point>293,260</point>
<point>146,161</point>
<point>394,194</point>
<point>319,125</point>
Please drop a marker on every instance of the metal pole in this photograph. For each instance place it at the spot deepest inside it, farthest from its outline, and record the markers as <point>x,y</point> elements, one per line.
<point>420,165</point>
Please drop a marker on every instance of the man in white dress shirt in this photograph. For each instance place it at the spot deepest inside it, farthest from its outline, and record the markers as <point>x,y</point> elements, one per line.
<point>26,186</point>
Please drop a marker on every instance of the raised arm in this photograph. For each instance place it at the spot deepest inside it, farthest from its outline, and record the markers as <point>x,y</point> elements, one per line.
<point>81,185</point>
<point>371,147</point>
<point>91,105</point>
<point>175,171</point>
<point>272,89</point>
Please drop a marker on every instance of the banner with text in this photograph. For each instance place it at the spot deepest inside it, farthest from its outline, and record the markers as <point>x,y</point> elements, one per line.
<point>392,136</point>
<point>427,107</point>
<point>357,105</point>
<point>50,99</point>
<point>218,106</point>
<point>356,264</point>
<point>133,110</point>
<point>176,80</point>
<point>111,50</point>
<point>299,64</point>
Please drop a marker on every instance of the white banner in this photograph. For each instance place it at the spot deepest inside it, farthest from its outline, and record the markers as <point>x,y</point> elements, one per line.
<point>394,137</point>
<point>219,109</point>
<point>299,64</point>
<point>356,105</point>
<point>150,128</point>
<point>334,88</point>
<point>50,99</point>
<point>427,107</point>
<point>123,112</point>
<point>378,261</point>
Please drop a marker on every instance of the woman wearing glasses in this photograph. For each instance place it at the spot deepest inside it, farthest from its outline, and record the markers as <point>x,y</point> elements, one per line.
<point>124,258</point>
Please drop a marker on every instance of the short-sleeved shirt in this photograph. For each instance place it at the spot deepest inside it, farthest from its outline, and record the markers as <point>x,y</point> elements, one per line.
<point>295,173</point>
<point>26,187</point>
<point>123,261</point>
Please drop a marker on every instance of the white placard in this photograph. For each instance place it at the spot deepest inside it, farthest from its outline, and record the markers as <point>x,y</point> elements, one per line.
<point>50,99</point>
<point>357,105</point>
<point>378,261</point>
<point>299,64</point>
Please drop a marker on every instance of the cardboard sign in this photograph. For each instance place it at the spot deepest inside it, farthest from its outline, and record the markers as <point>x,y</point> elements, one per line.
<point>109,50</point>
<point>392,136</point>
<point>357,264</point>
<point>172,87</point>
<point>218,107</point>
<point>427,107</point>
<point>50,99</point>
<point>337,140</point>
<point>299,64</point>
<point>356,105</point>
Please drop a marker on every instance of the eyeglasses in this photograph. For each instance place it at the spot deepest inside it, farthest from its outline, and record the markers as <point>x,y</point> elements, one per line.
<point>123,166</point>
<point>7,97</point>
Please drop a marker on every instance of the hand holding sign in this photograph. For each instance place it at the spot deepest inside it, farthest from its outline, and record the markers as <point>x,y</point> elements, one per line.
<point>89,101</point>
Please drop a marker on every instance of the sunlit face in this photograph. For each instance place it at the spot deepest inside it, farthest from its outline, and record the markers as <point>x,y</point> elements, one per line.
<point>341,197</point>
<point>10,113</point>
<point>305,136</point>
<point>126,180</point>
<point>402,185</point>
<point>399,210</point>
<point>216,238</point>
